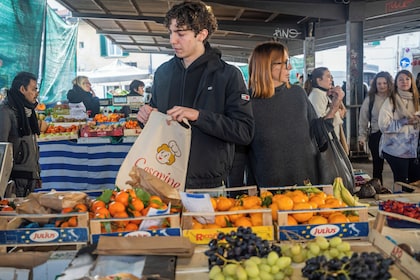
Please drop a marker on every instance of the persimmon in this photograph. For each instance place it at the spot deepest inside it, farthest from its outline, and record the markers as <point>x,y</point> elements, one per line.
<point>115,207</point>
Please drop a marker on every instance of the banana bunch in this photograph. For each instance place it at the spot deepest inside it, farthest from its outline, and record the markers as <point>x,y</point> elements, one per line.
<point>310,188</point>
<point>342,193</point>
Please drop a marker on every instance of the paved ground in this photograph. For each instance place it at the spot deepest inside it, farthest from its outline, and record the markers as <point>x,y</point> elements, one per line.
<point>366,166</point>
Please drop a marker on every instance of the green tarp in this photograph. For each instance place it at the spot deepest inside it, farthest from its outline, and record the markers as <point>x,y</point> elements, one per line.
<point>35,39</point>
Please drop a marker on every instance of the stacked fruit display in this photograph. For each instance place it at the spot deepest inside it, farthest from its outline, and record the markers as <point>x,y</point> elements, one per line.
<point>70,221</point>
<point>124,204</point>
<point>241,211</point>
<point>411,210</point>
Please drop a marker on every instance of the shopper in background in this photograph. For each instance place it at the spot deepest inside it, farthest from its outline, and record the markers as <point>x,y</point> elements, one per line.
<point>19,126</point>
<point>282,151</point>
<point>399,123</point>
<point>82,93</point>
<point>136,89</point>
<point>196,84</point>
<point>381,88</point>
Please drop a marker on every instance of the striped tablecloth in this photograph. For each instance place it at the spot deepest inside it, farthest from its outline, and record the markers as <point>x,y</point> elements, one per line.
<point>70,165</point>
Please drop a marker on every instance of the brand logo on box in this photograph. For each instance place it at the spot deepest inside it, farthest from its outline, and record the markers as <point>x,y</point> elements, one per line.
<point>324,230</point>
<point>139,234</point>
<point>43,235</point>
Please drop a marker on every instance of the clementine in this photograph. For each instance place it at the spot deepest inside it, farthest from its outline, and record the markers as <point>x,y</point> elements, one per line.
<point>115,207</point>
<point>96,204</point>
<point>123,197</point>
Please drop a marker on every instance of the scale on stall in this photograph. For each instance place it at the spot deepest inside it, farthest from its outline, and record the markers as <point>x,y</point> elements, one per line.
<point>134,102</point>
<point>6,165</point>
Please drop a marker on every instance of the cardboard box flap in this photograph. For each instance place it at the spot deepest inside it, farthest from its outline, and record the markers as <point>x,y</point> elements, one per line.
<point>155,245</point>
<point>24,260</point>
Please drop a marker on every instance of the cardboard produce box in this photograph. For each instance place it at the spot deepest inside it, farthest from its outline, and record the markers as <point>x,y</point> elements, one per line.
<point>35,233</point>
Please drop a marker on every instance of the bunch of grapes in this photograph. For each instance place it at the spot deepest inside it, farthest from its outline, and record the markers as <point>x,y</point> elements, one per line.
<point>271,267</point>
<point>238,246</point>
<point>369,266</point>
<point>329,248</point>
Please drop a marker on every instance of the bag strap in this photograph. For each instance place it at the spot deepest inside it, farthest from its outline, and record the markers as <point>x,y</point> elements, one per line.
<point>371,101</point>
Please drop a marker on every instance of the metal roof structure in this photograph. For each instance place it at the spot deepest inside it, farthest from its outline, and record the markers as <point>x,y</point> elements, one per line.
<point>137,25</point>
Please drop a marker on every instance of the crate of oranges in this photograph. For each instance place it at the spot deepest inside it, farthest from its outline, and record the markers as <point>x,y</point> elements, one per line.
<point>310,211</point>
<point>230,209</point>
<point>56,229</point>
<point>132,212</point>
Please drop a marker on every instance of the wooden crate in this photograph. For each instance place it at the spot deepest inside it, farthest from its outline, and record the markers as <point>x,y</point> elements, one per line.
<point>174,228</point>
<point>11,235</point>
<point>328,189</point>
<point>224,191</point>
<point>203,236</point>
<point>351,230</point>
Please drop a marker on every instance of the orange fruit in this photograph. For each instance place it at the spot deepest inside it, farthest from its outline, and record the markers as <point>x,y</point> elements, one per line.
<point>209,226</point>
<point>156,202</point>
<point>256,219</point>
<point>304,216</point>
<point>317,199</point>
<point>338,218</point>
<point>137,204</point>
<point>234,217</point>
<point>196,224</point>
<point>274,208</point>
<point>265,194</point>
<point>145,211</point>
<point>318,220</point>
<point>243,221</point>
<point>121,215</point>
<point>333,203</point>
<point>123,197</point>
<point>81,207</point>
<point>353,218</point>
<point>251,202</point>
<point>96,204</point>
<point>298,198</point>
<point>4,202</point>
<point>136,214</point>
<point>64,224</point>
<point>221,220</point>
<point>213,202</point>
<point>132,193</point>
<point>224,203</point>
<point>115,207</point>
<point>131,227</point>
<point>100,216</point>
<point>103,211</point>
<point>72,222</point>
<point>285,203</point>
<point>276,197</point>
<point>291,221</point>
<point>66,210</point>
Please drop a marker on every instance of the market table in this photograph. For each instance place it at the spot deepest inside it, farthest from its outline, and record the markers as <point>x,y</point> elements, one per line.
<point>72,165</point>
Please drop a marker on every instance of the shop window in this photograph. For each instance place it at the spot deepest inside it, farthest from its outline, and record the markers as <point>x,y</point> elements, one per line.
<point>108,48</point>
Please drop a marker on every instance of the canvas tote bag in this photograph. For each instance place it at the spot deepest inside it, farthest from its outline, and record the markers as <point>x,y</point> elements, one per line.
<point>162,149</point>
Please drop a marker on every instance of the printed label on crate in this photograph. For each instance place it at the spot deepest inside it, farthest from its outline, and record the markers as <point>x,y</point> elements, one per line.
<point>141,233</point>
<point>343,230</point>
<point>37,236</point>
<point>204,236</point>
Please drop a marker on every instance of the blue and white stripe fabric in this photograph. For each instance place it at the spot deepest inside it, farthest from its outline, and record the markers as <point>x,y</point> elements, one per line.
<point>70,165</point>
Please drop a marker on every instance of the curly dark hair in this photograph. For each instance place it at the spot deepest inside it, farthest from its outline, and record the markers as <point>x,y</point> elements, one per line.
<point>195,15</point>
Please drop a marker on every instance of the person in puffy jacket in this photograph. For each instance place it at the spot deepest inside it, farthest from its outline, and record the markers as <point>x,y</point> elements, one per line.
<point>19,126</point>
<point>82,92</point>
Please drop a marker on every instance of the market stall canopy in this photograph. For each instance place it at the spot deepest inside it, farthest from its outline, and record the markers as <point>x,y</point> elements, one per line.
<point>137,25</point>
<point>116,72</point>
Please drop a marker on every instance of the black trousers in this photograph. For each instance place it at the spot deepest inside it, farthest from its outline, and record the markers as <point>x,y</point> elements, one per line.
<point>406,170</point>
<point>377,161</point>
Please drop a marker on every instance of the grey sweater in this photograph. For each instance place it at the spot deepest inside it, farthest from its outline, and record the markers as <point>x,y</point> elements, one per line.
<point>282,152</point>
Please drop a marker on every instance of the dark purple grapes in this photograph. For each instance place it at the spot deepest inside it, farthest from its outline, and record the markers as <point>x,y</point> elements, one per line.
<point>239,245</point>
<point>369,266</point>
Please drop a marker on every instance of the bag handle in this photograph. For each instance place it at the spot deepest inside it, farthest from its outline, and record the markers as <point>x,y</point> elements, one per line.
<point>184,123</point>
